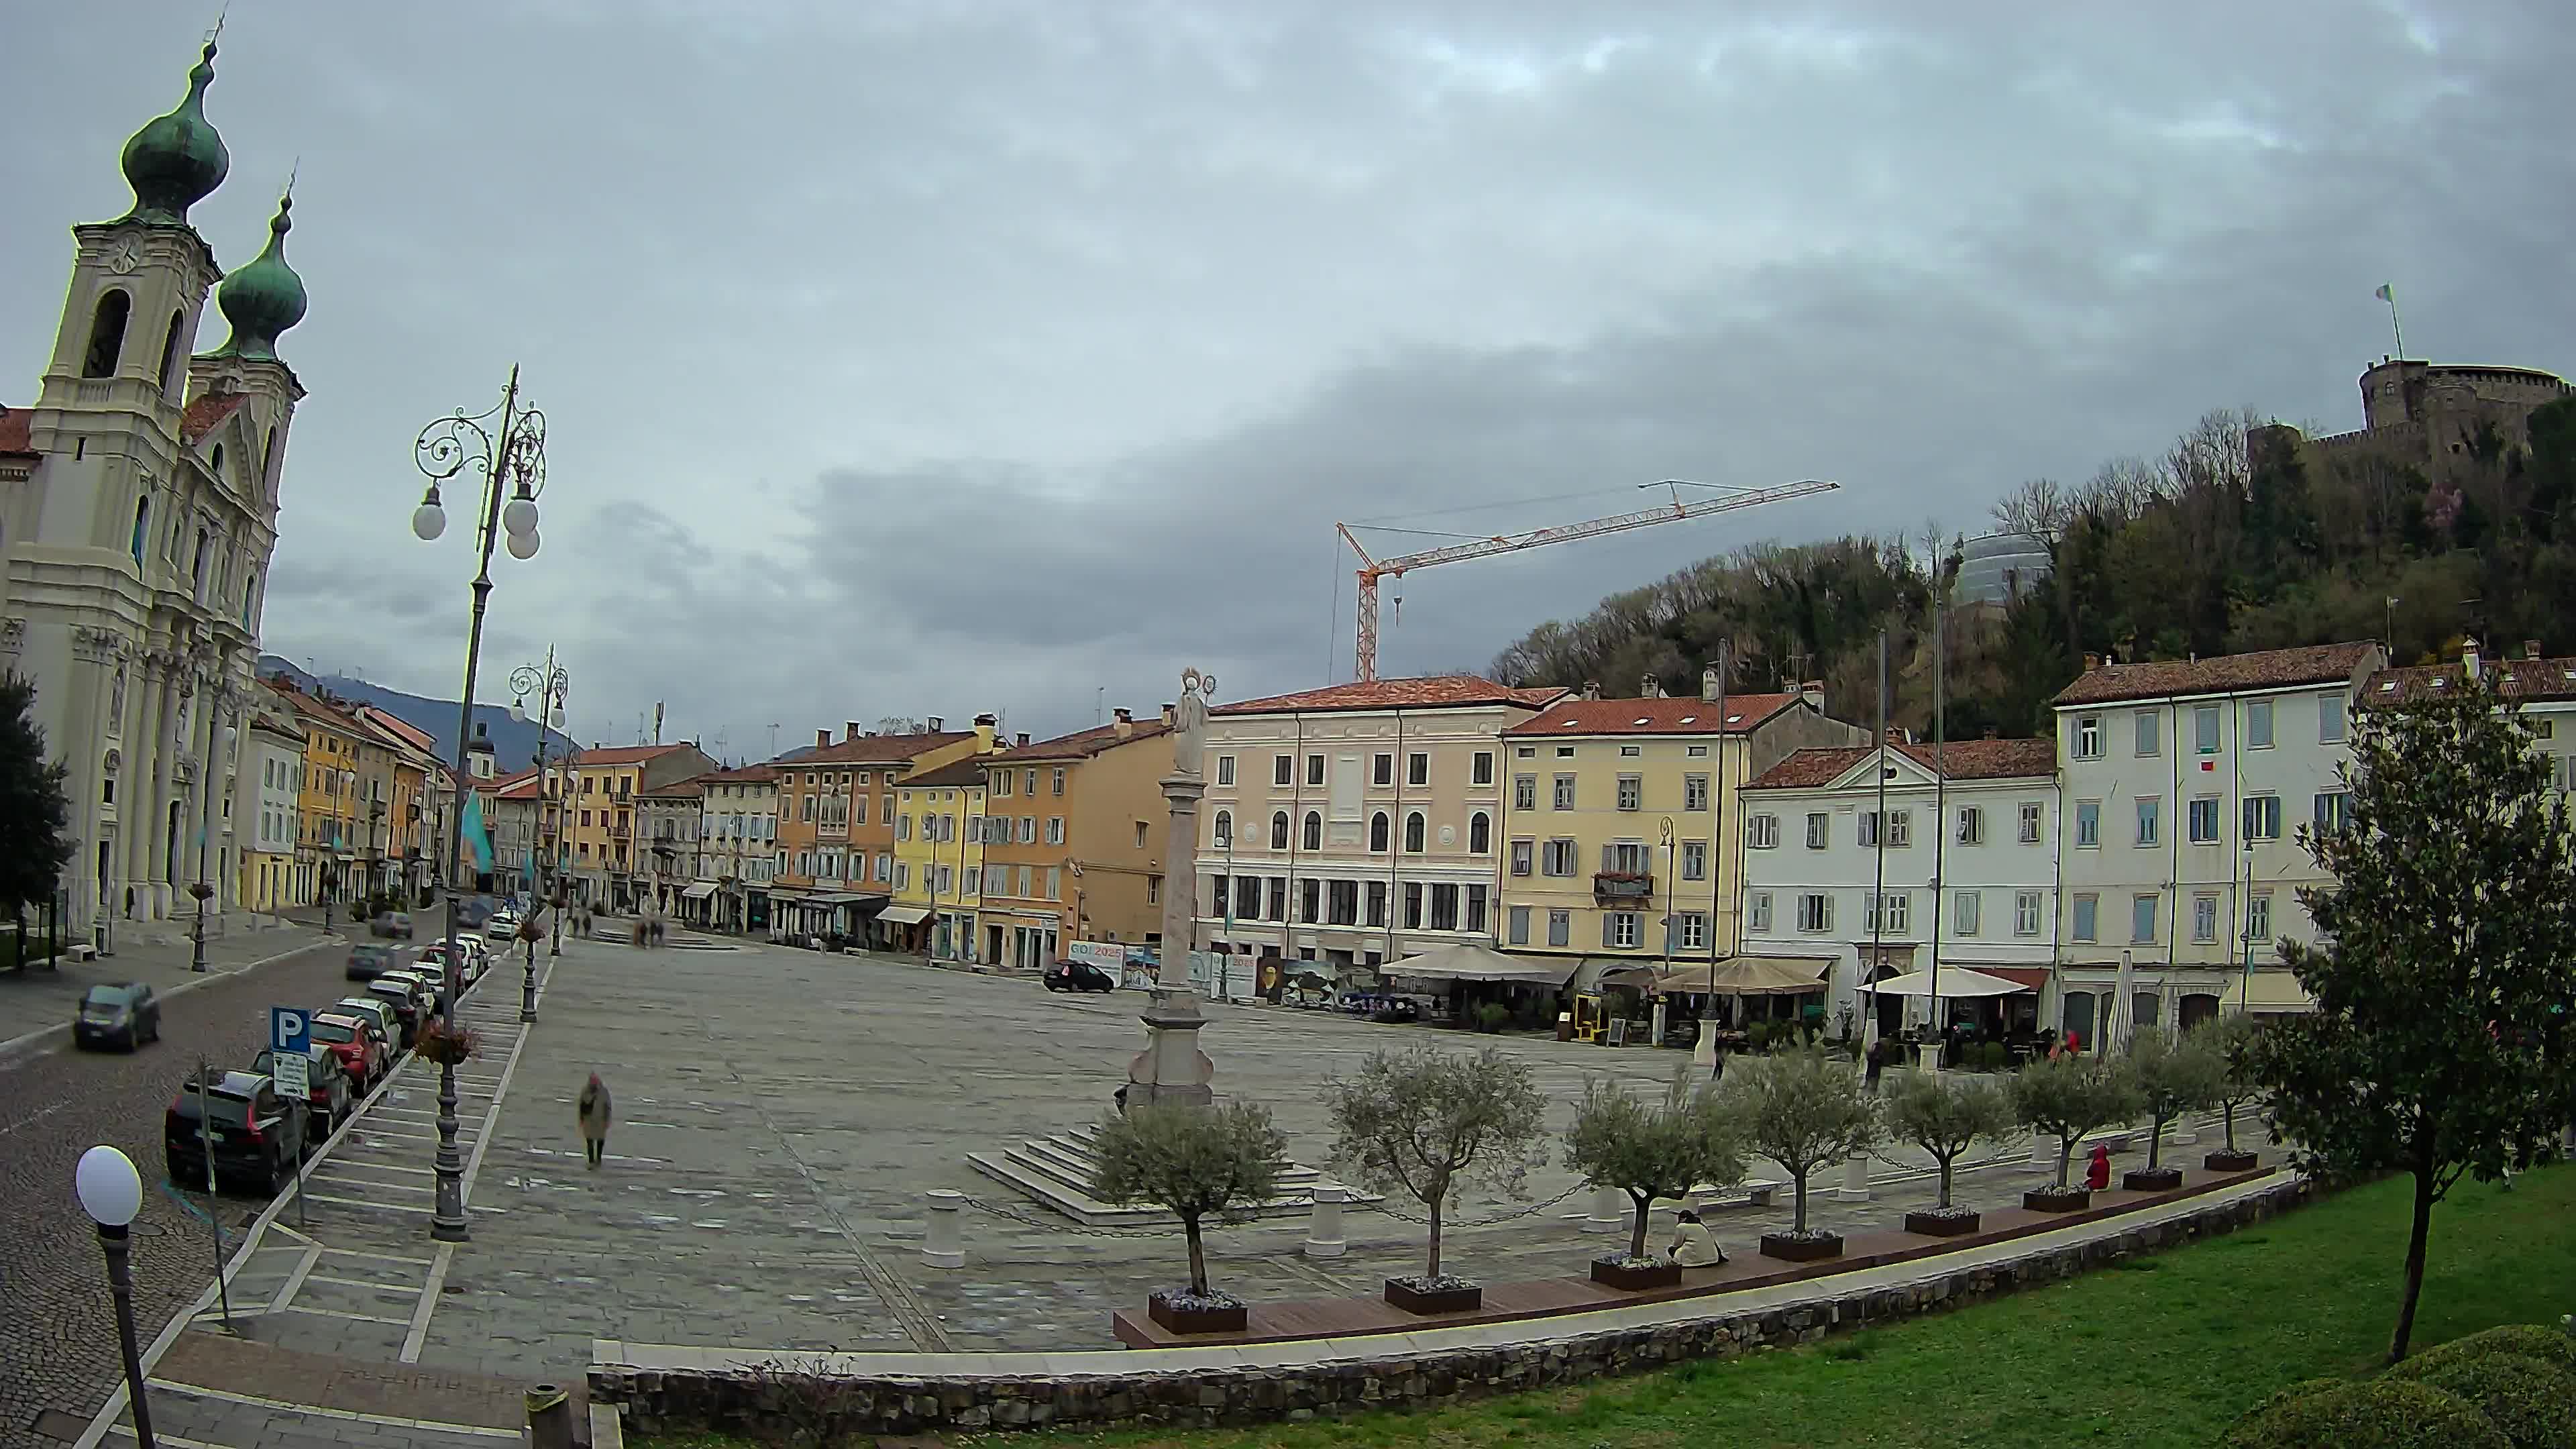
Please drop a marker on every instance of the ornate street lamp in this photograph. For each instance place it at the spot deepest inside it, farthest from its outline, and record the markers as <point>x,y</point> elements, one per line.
<point>507,446</point>
<point>111,1192</point>
<point>548,685</point>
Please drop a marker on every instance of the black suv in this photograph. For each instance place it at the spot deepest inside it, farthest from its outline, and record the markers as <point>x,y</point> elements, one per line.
<point>249,1129</point>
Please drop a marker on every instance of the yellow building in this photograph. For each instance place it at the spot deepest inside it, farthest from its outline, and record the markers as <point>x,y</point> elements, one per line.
<point>1621,813</point>
<point>326,801</point>
<point>601,865</point>
<point>835,811</point>
<point>938,860</point>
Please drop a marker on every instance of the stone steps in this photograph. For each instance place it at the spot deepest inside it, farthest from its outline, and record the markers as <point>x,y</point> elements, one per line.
<point>1057,1172</point>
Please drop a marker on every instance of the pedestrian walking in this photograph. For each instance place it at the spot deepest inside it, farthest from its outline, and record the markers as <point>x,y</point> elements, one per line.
<point>593,1111</point>
<point>1717,1065</point>
<point>1876,1065</point>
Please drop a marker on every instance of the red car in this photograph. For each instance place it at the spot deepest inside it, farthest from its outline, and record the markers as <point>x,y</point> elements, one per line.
<point>361,1052</point>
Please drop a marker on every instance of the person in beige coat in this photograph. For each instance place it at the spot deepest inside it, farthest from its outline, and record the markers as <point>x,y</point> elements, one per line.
<point>592,1108</point>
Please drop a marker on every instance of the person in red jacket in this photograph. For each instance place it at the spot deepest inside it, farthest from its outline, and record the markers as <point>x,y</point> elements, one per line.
<point>2097,1172</point>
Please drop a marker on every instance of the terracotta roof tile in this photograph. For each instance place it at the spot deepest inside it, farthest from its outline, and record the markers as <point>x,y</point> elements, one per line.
<point>2268,669</point>
<point>1652,716</point>
<point>208,412</point>
<point>1960,760</point>
<point>692,788</point>
<point>14,425</point>
<point>620,755</point>
<point>746,775</point>
<point>1438,691</point>
<point>2526,679</point>
<point>1082,744</point>
<point>878,749</point>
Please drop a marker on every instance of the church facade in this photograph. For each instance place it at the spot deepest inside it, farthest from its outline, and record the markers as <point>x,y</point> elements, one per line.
<point>138,512</point>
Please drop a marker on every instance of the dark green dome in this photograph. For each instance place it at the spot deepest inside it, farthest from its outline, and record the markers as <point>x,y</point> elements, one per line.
<point>265,298</point>
<point>177,160</point>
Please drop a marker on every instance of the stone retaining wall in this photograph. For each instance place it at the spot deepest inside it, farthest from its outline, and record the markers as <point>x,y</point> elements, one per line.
<point>795,1395</point>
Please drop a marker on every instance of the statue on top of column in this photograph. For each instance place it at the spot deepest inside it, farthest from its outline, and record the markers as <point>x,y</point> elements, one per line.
<point>1189,721</point>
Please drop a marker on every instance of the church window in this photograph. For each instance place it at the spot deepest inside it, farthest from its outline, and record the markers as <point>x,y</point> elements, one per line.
<point>250,596</point>
<point>107,334</point>
<point>268,457</point>
<point>142,517</point>
<point>170,349</point>
<point>218,469</point>
<point>197,569</point>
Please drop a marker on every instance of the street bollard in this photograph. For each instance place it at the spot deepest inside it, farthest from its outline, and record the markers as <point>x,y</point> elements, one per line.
<point>944,1245</point>
<point>1855,1186</point>
<point>549,1417</point>
<point>1324,1226</point>
<point>1609,1211</point>
<point>2181,1135</point>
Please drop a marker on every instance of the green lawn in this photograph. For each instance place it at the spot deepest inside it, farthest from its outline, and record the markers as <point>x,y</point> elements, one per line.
<point>2164,1350</point>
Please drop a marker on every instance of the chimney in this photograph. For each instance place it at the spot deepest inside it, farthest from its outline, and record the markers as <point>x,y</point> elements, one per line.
<point>2469,658</point>
<point>1708,685</point>
<point>1124,721</point>
<point>1592,689</point>
<point>984,728</point>
<point>822,738</point>
<point>934,725</point>
<point>1813,692</point>
<point>1021,739</point>
<point>2531,649</point>
<point>1171,715</point>
<point>849,730</point>
<point>1650,688</point>
<point>2092,662</point>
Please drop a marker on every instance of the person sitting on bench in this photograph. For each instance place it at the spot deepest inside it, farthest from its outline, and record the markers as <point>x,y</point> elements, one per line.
<point>1693,1246</point>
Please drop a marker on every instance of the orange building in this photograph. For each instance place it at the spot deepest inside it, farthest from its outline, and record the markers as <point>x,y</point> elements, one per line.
<point>1074,835</point>
<point>836,824</point>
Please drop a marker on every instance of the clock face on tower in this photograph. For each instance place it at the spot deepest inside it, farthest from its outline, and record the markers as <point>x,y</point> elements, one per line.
<point>126,256</point>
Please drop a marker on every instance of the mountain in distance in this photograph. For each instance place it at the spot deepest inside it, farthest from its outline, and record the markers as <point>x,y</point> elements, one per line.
<point>514,743</point>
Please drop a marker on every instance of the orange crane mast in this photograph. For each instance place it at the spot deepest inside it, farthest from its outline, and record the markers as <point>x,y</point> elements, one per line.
<point>1373,569</point>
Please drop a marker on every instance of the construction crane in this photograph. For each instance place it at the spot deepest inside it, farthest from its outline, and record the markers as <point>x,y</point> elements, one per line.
<point>1373,569</point>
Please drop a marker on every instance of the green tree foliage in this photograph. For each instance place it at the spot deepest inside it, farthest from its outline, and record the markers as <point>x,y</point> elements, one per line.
<point>1652,1151</point>
<point>2232,1038</point>
<point>1426,1121</point>
<point>2442,1042</point>
<point>1947,1115</point>
<point>1200,1162</point>
<point>2071,1096</point>
<point>1803,1108</point>
<point>2379,1413</point>
<point>2175,1073</point>
<point>35,815</point>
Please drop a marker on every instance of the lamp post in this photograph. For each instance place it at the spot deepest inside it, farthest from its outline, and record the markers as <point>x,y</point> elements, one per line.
<point>111,1192</point>
<point>216,740</point>
<point>549,686</point>
<point>513,461</point>
<point>1671,854</point>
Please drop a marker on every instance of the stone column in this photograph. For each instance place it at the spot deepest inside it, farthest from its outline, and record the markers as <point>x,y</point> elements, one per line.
<point>1171,1068</point>
<point>134,780</point>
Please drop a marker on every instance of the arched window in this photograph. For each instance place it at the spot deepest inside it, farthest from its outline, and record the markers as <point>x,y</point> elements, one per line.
<point>268,460</point>
<point>1224,828</point>
<point>1413,832</point>
<point>1480,833</point>
<point>1279,830</point>
<point>218,469</point>
<point>1314,831</point>
<point>197,567</point>
<point>170,349</point>
<point>142,517</point>
<point>1377,831</point>
<point>107,334</point>
<point>250,596</point>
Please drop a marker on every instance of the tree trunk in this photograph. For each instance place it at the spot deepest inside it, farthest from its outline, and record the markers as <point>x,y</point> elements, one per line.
<point>1198,1256</point>
<point>2415,1236</point>
<point>1433,1202</point>
<point>2065,1158</point>
<point>2227,1115</point>
<point>1798,1223</point>
<point>1637,1231</point>
<point>2156,1141</point>
<point>1946,1164</point>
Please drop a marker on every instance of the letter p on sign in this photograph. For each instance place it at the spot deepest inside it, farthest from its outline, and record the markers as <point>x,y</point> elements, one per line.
<point>289,1030</point>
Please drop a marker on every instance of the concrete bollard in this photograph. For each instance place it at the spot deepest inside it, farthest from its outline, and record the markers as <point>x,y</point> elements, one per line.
<point>2181,1135</point>
<point>1609,1211</point>
<point>944,1245</point>
<point>549,1417</point>
<point>1324,1225</point>
<point>1855,1186</point>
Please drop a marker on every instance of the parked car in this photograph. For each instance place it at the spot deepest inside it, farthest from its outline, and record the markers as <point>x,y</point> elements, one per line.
<point>248,1128</point>
<point>378,1014</point>
<point>503,926</point>
<point>329,1093</point>
<point>367,962</point>
<point>404,1002</point>
<point>1071,975</point>
<point>424,982</point>
<point>362,1052</point>
<point>392,925</point>
<point>126,1015</point>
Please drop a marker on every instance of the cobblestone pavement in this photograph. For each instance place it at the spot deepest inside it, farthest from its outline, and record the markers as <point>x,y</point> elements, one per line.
<point>42,1000</point>
<point>59,1348</point>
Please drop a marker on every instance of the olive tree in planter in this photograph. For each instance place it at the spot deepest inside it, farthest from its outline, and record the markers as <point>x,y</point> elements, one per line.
<point>1200,1162</point>
<point>1426,1122</point>
<point>2065,1099</point>
<point>2232,1040</point>
<point>1649,1152</point>
<point>1945,1116</point>
<point>1804,1108</point>
<point>2174,1075</point>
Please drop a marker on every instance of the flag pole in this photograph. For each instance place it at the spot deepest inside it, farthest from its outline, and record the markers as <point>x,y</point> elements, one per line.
<point>2388,294</point>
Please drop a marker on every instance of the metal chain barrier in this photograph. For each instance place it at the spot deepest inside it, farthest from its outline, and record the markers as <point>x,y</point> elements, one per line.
<point>1445,1225</point>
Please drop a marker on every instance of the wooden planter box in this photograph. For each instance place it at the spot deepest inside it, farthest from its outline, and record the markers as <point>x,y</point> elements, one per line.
<point>1436,1300</point>
<point>1801,1250</point>
<point>2057,1199</point>
<point>2151,1179</point>
<point>2225,1161</point>
<point>1941,1225</point>
<point>1197,1317</point>
<point>1614,1273</point>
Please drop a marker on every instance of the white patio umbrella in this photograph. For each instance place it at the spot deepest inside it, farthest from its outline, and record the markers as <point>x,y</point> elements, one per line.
<point>2120,1023</point>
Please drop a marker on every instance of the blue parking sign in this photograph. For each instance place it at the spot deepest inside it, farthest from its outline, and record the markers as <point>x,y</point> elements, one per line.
<point>290,1030</point>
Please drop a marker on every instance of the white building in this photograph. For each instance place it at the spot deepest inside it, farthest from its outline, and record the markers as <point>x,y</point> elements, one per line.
<point>2542,689</point>
<point>738,855</point>
<point>1964,871</point>
<point>2185,782</point>
<point>138,510</point>
<point>266,823</point>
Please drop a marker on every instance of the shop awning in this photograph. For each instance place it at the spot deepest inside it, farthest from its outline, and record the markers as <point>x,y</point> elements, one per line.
<point>2030,978</point>
<point>840,898</point>
<point>2266,991</point>
<point>1956,981</point>
<point>905,915</point>
<point>1734,976</point>
<point>1466,962</point>
<point>699,891</point>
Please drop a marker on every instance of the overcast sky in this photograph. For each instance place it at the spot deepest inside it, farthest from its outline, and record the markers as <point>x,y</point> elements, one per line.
<point>928,358</point>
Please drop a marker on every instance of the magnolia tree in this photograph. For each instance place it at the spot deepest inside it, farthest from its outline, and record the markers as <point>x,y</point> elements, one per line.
<point>1200,1162</point>
<point>1945,1116</point>
<point>2071,1096</point>
<point>1426,1122</point>
<point>2442,1043</point>
<point>1653,1151</point>
<point>1804,1109</point>
<point>2174,1074</point>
